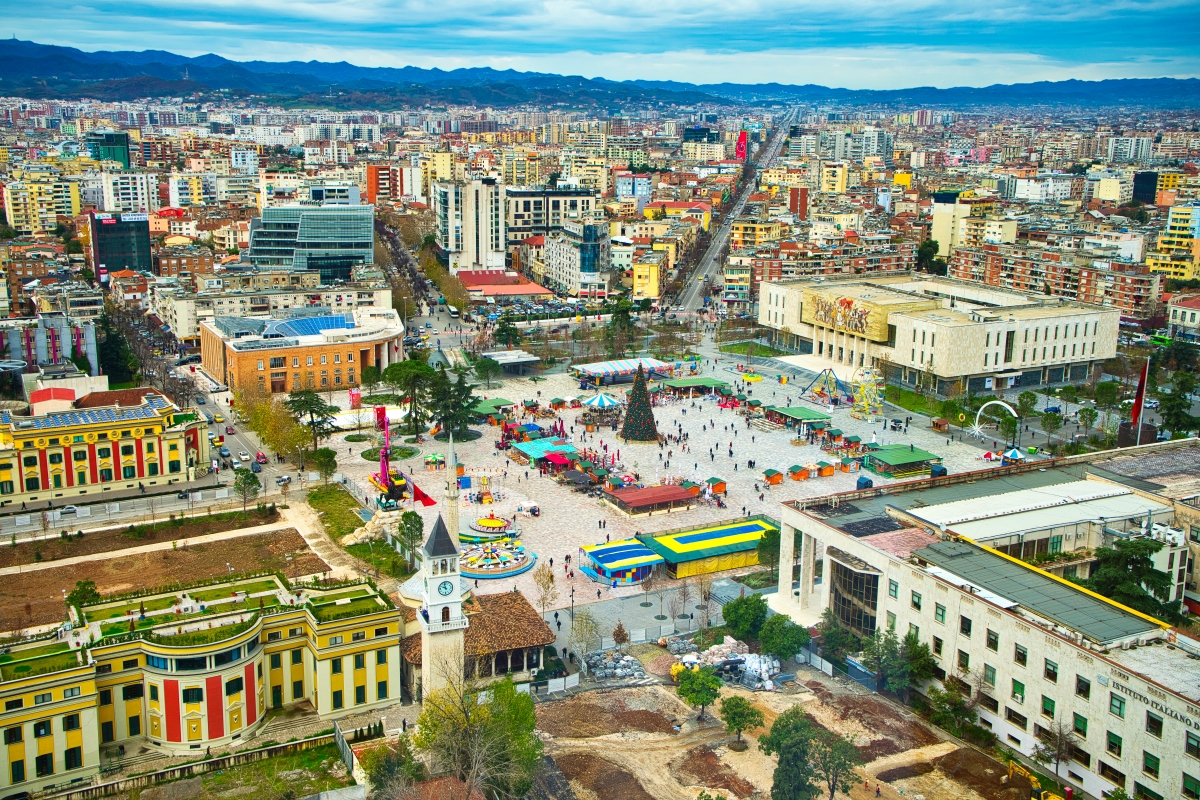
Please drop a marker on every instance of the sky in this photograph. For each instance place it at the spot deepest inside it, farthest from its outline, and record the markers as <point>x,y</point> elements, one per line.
<point>861,44</point>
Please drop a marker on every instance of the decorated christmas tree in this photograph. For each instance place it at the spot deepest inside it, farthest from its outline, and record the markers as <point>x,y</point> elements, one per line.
<point>639,416</point>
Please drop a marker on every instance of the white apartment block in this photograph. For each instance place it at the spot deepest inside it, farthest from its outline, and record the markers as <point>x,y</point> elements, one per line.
<point>470,219</point>
<point>129,191</point>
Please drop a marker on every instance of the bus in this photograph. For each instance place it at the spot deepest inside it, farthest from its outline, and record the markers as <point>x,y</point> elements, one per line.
<point>1161,341</point>
<point>453,312</point>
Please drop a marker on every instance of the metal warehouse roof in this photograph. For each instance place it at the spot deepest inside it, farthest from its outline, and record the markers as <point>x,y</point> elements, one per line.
<point>1047,597</point>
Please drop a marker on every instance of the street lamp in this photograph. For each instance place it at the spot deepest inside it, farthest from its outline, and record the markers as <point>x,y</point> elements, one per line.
<point>572,602</point>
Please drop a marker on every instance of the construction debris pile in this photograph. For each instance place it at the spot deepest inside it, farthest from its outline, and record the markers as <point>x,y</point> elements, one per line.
<point>733,661</point>
<point>611,664</point>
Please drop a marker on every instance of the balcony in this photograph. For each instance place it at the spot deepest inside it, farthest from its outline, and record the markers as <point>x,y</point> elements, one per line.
<point>441,627</point>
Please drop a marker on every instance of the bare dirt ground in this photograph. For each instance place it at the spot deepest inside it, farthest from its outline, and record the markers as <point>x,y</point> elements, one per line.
<point>622,743</point>
<point>35,598</point>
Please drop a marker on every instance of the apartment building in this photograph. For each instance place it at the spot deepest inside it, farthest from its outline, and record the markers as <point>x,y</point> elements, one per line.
<point>329,239</point>
<point>540,211</point>
<point>470,217</point>
<point>129,191</point>
<point>1130,288</point>
<point>172,262</point>
<point>578,259</point>
<point>948,336</point>
<point>1177,252</point>
<point>1183,317</point>
<point>946,560</point>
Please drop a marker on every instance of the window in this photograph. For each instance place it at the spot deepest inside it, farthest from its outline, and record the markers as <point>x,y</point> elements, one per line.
<point>126,449</point>
<point>1150,764</point>
<point>939,613</point>
<point>360,661</point>
<point>158,662</point>
<point>106,697</point>
<point>937,646</point>
<point>916,601</point>
<point>129,663</point>
<point>381,656</point>
<point>893,589</point>
<point>964,626</point>
<point>297,656</point>
<point>381,692</point>
<point>381,631</point>
<point>135,725</point>
<point>233,687</point>
<point>276,661</point>
<point>1142,793</point>
<point>335,640</point>
<point>18,771</point>
<point>43,698</point>
<point>1192,745</point>
<point>73,758</point>
<point>227,657</point>
<point>297,690</point>
<point>153,692</point>
<point>891,620</point>
<point>1083,687</point>
<point>964,660</point>
<point>41,729</point>
<point>335,666</point>
<point>914,630</point>
<point>56,458</point>
<point>1080,726</point>
<point>358,636</point>
<point>360,695</point>
<point>1114,744</point>
<point>1016,719</point>
<point>1048,707</point>
<point>1018,691</point>
<point>71,722</point>
<point>1116,704</point>
<point>1191,787</point>
<point>193,695</point>
<point>993,640</point>
<point>132,692</point>
<point>191,664</point>
<point>13,735</point>
<point>44,765</point>
<point>13,705</point>
<point>1021,655</point>
<point>989,674</point>
<point>1050,672</point>
<point>337,699</point>
<point>990,703</point>
<point>1154,724</point>
<point>274,636</point>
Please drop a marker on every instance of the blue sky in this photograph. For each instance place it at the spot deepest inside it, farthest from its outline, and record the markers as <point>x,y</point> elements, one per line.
<point>850,43</point>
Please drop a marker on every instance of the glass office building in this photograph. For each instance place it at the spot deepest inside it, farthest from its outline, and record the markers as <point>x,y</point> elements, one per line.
<point>330,239</point>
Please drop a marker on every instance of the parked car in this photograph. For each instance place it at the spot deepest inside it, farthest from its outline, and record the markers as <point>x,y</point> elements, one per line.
<point>200,401</point>
<point>282,479</point>
<point>68,510</point>
<point>1053,409</point>
<point>1152,403</point>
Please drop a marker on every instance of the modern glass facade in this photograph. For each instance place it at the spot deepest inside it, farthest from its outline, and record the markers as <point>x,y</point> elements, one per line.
<point>120,241</point>
<point>109,146</point>
<point>328,239</point>
<point>855,596</point>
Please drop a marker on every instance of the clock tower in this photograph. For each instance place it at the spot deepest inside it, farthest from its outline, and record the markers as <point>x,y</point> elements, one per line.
<point>441,618</point>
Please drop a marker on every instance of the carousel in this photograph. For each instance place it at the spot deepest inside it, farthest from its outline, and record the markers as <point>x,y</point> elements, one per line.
<point>501,558</point>
<point>489,529</point>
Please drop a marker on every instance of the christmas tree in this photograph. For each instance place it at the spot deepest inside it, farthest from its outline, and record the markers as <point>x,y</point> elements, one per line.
<point>639,416</point>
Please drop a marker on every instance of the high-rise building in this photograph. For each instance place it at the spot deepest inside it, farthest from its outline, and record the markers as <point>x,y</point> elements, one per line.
<point>109,146</point>
<point>471,224</point>
<point>129,191</point>
<point>1130,148</point>
<point>383,183</point>
<point>331,239</point>
<point>538,212</point>
<point>119,241</point>
<point>578,260</point>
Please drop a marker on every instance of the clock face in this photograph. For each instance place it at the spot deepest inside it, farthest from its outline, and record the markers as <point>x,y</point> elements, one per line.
<point>445,588</point>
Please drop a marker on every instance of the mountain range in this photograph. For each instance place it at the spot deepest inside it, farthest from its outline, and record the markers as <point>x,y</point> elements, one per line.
<point>29,69</point>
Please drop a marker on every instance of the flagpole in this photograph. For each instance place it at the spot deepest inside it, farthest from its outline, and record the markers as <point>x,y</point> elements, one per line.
<point>1141,400</point>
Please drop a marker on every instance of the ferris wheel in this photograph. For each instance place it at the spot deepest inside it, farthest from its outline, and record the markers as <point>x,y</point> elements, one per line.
<point>867,383</point>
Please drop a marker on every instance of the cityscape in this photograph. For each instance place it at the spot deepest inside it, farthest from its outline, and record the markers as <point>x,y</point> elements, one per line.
<point>350,364</point>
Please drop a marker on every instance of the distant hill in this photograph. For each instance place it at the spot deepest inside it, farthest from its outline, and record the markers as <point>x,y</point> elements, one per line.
<point>47,71</point>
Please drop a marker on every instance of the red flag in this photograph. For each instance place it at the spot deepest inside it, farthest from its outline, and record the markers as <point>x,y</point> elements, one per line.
<point>421,497</point>
<point>1139,399</point>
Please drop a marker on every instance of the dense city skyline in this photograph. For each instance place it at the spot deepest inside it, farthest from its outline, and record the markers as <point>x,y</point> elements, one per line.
<point>864,45</point>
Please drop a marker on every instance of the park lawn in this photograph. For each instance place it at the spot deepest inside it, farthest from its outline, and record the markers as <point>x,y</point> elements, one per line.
<point>910,401</point>
<point>761,350</point>
<point>38,666</point>
<point>203,636</point>
<point>224,592</point>
<point>383,558</point>
<point>152,604</point>
<point>35,652</point>
<point>328,612</point>
<point>333,598</point>
<point>336,507</point>
<point>758,580</point>
<point>308,771</point>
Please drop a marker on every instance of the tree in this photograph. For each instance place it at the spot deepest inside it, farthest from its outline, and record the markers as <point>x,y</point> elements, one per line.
<point>881,653</point>
<point>794,776</point>
<point>949,709</point>
<point>392,768</point>
<point>620,635</point>
<point>84,593</point>
<point>1008,427</point>
<point>451,402</point>
<point>833,760</point>
<point>739,714</point>
<point>1176,405</point>
<point>744,616</point>
<point>246,485</point>
<point>782,638</point>
<point>412,380</point>
<point>768,550</point>
<point>114,356</point>
<point>486,369</point>
<point>506,332</point>
<point>369,378</point>
<point>585,633</point>
<point>699,687</point>
<point>1126,573</point>
<point>1106,394</point>
<point>486,740</point>
<point>926,253</point>
<point>836,641</point>
<point>1026,403</point>
<point>543,579</point>
<point>1051,422</point>
<point>325,460</point>
<point>411,531</point>
<point>307,403</point>
<point>919,660</point>
<point>639,413</point>
<point>1056,745</point>
<point>1087,418</point>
